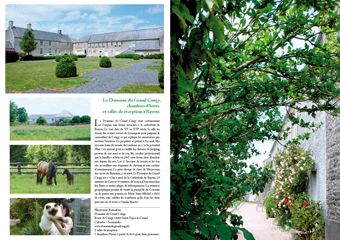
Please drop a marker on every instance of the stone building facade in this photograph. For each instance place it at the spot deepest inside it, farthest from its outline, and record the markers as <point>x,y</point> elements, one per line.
<point>144,41</point>
<point>48,43</point>
<point>333,178</point>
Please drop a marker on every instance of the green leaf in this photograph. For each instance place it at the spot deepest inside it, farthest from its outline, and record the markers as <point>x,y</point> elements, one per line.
<point>223,230</point>
<point>247,234</point>
<point>217,28</point>
<point>173,236</point>
<point>184,235</point>
<point>204,230</point>
<point>213,219</point>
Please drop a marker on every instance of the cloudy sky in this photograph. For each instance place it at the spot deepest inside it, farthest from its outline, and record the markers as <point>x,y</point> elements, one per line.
<point>77,106</point>
<point>81,20</point>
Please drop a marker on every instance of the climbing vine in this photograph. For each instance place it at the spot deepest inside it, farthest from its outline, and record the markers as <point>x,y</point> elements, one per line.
<point>233,64</point>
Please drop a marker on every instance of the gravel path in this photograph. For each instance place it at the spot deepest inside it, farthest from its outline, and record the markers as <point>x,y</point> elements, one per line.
<point>262,228</point>
<point>109,80</point>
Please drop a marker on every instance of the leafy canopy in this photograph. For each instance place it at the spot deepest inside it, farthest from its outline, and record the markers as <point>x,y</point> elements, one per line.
<point>233,64</point>
<point>28,43</point>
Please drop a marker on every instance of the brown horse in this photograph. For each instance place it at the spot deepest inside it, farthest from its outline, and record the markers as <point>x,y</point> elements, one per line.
<point>46,169</point>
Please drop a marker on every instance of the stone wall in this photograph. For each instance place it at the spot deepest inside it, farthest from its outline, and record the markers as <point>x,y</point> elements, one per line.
<point>45,47</point>
<point>333,179</point>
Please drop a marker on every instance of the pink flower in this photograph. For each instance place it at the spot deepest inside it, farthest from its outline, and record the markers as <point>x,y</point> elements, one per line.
<point>305,203</point>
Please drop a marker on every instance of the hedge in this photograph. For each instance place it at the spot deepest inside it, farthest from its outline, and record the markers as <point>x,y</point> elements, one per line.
<point>137,57</point>
<point>105,62</point>
<point>66,68</point>
<point>161,77</point>
<point>155,56</point>
<point>128,55</point>
<point>11,56</point>
<point>71,56</point>
<point>35,58</point>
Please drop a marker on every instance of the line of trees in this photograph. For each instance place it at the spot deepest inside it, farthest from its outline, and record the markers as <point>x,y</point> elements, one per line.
<point>50,153</point>
<point>17,114</point>
<point>20,115</point>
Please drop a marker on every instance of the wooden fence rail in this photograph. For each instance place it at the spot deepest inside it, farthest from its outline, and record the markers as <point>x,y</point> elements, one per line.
<point>20,168</point>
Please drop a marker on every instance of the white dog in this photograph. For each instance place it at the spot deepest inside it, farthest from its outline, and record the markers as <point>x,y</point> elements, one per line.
<point>55,220</point>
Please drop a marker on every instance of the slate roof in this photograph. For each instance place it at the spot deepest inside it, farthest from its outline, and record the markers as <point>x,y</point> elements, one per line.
<point>62,114</point>
<point>133,35</point>
<point>147,45</point>
<point>42,35</point>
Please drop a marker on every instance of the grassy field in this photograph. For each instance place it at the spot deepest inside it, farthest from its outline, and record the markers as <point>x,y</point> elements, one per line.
<point>36,132</point>
<point>140,88</point>
<point>26,183</point>
<point>33,75</point>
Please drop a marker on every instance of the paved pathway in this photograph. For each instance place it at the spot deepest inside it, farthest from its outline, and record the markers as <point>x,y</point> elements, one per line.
<point>254,220</point>
<point>109,80</point>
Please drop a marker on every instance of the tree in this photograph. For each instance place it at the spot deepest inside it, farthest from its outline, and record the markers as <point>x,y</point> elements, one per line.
<point>233,64</point>
<point>41,120</point>
<point>22,116</point>
<point>12,112</point>
<point>28,43</point>
<point>18,153</point>
<point>75,119</point>
<point>85,119</point>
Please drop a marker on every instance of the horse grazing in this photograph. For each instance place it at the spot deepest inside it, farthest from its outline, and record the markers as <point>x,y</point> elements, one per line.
<point>46,169</point>
<point>69,176</point>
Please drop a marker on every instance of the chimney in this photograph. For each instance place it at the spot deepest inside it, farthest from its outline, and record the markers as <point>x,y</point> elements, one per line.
<point>59,31</point>
<point>29,26</point>
<point>10,24</point>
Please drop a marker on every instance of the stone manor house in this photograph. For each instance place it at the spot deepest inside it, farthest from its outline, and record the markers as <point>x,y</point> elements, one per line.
<point>143,41</point>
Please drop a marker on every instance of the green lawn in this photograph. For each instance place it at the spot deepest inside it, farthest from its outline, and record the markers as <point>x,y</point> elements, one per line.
<point>140,88</point>
<point>26,183</point>
<point>33,75</point>
<point>37,132</point>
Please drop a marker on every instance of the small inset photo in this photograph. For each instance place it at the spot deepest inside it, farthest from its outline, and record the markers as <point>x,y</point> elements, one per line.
<point>50,216</point>
<point>50,169</point>
<point>85,48</point>
<point>50,119</point>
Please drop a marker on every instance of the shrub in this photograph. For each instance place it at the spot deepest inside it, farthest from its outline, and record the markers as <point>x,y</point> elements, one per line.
<point>155,56</point>
<point>270,205</point>
<point>127,55</point>
<point>85,119</point>
<point>11,56</point>
<point>81,56</point>
<point>66,68</point>
<point>75,119</point>
<point>161,77</point>
<point>105,62</point>
<point>307,217</point>
<point>23,209</point>
<point>71,56</point>
<point>137,57</point>
<point>292,167</point>
<point>36,58</point>
<point>41,121</point>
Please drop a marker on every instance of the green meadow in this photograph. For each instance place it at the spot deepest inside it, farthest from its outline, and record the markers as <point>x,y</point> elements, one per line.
<point>39,132</point>
<point>26,184</point>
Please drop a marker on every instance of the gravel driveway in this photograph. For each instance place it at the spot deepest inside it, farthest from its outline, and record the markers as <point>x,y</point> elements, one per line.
<point>109,80</point>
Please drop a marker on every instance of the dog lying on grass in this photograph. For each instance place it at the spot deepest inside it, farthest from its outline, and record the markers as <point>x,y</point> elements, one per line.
<point>56,219</point>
